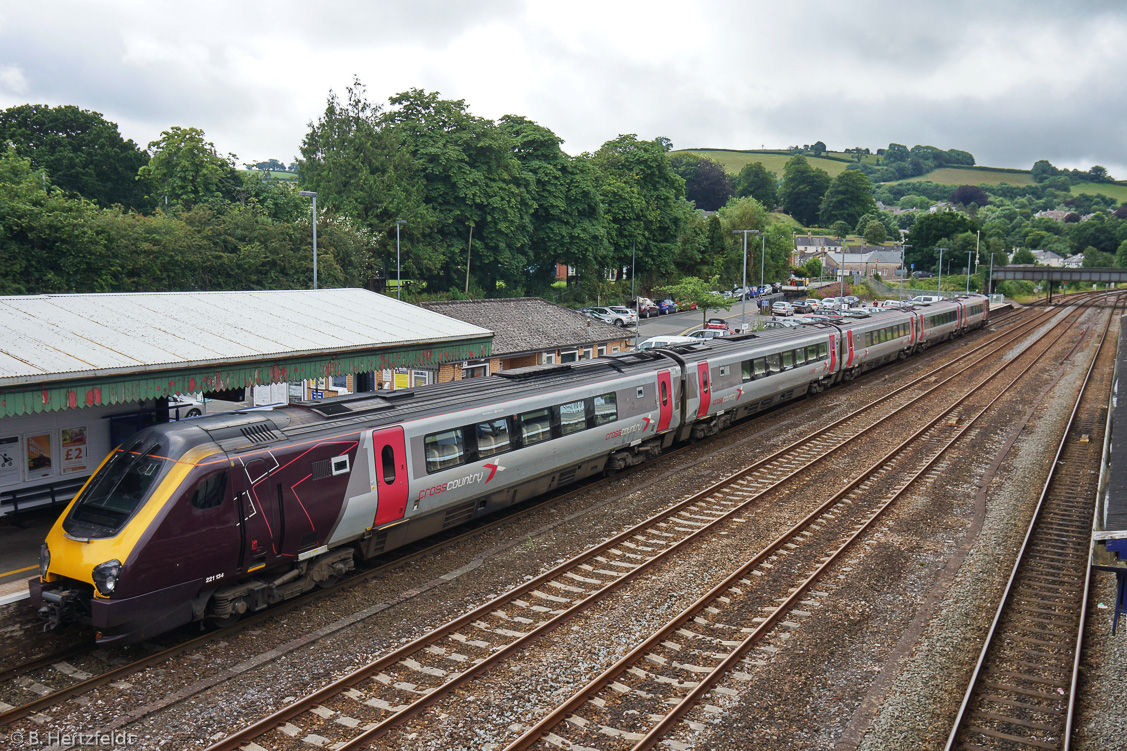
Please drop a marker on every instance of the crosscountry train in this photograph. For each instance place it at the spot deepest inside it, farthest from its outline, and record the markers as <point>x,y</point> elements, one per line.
<point>210,518</point>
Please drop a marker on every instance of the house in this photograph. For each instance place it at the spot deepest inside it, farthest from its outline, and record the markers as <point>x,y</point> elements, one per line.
<point>1048,258</point>
<point>811,246</point>
<point>866,261</point>
<point>1074,262</point>
<point>1054,214</point>
<point>528,331</point>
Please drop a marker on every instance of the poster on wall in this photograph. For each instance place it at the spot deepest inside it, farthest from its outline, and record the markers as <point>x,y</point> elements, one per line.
<point>73,441</point>
<point>37,451</point>
<point>9,460</point>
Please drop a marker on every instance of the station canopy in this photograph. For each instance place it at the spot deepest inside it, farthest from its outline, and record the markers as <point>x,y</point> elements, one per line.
<point>70,351</point>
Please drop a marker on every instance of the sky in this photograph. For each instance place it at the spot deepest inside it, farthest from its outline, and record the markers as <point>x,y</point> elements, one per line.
<point>1011,82</point>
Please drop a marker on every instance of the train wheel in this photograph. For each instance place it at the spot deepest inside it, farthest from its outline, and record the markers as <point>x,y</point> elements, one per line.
<point>224,621</point>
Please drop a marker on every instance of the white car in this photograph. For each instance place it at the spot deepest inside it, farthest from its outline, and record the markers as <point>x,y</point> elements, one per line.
<point>610,315</point>
<point>782,308</point>
<point>183,406</point>
<point>701,334</point>
<point>665,341</point>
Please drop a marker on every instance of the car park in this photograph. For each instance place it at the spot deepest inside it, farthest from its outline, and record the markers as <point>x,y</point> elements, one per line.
<point>667,306</point>
<point>782,308</point>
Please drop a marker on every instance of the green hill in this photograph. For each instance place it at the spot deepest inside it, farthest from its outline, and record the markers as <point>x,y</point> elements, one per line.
<point>835,163</point>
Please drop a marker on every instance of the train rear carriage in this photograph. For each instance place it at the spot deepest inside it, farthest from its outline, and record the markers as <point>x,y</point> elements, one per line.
<point>869,342</point>
<point>732,378</point>
<point>976,311</point>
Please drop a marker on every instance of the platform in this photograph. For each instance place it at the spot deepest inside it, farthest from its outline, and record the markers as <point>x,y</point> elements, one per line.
<point>1109,529</point>
<point>20,541</point>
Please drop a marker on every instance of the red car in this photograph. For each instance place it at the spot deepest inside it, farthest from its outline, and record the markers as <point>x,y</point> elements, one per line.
<point>716,323</point>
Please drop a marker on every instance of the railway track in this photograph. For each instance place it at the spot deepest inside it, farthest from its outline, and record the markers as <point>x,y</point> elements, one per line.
<point>357,709</point>
<point>1023,689</point>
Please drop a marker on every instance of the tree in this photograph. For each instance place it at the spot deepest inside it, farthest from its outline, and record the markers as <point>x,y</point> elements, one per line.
<point>707,185</point>
<point>818,148</point>
<point>1023,256</point>
<point>80,151</point>
<point>184,170</point>
<point>840,228</point>
<point>968,194</point>
<point>875,233</point>
<point>848,198</point>
<point>1121,255</point>
<point>931,229</point>
<point>802,189</point>
<point>692,289</point>
<point>1042,170</point>
<point>757,182</point>
<point>1096,259</point>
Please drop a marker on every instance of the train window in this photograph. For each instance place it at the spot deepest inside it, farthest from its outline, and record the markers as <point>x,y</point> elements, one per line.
<point>788,360</point>
<point>209,493</point>
<point>387,459</point>
<point>745,368</point>
<point>606,409</point>
<point>535,427</point>
<point>759,367</point>
<point>664,394</point>
<point>774,364</point>
<point>823,350</point>
<point>723,370</point>
<point>444,450</point>
<point>573,417</point>
<point>492,437</point>
<point>812,353</point>
<point>800,356</point>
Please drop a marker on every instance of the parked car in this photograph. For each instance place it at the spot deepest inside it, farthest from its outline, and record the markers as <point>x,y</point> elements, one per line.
<point>808,305</point>
<point>923,275</point>
<point>782,308</point>
<point>851,301</point>
<point>667,306</point>
<point>924,299</point>
<point>699,334</point>
<point>610,316</point>
<point>665,341</point>
<point>686,305</point>
<point>646,307</point>
<point>632,316</point>
<point>716,323</point>
<point>183,406</point>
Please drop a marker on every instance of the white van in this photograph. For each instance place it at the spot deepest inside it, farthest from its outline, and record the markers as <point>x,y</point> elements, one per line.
<point>926,299</point>
<point>665,341</point>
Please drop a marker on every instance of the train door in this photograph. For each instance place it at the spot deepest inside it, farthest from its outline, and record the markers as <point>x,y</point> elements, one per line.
<point>263,524</point>
<point>390,452</point>
<point>849,349</point>
<point>911,331</point>
<point>704,388</point>
<point>833,353</point>
<point>664,400</point>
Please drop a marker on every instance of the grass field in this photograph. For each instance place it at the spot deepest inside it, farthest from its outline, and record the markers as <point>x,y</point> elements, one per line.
<point>975,176</point>
<point>774,161</point>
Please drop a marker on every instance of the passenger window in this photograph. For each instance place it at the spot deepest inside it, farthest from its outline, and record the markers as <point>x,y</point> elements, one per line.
<point>788,360</point>
<point>606,409</point>
<point>745,368</point>
<point>823,351</point>
<point>800,356</point>
<point>492,437</point>
<point>759,367</point>
<point>535,427</point>
<point>573,417</point>
<point>444,450</point>
<point>387,459</point>
<point>812,353</point>
<point>774,364</point>
<point>209,493</point>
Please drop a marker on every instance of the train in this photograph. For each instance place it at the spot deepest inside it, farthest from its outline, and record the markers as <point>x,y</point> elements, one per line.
<point>215,517</point>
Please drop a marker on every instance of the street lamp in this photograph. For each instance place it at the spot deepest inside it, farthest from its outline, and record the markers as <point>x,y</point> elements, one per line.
<point>903,269</point>
<point>939,286</point>
<point>398,268</point>
<point>313,195</point>
<point>968,269</point>
<point>743,293</point>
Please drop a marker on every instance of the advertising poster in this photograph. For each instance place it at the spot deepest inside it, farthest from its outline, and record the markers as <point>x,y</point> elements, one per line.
<point>73,442</point>
<point>9,460</point>
<point>37,450</point>
<point>402,380</point>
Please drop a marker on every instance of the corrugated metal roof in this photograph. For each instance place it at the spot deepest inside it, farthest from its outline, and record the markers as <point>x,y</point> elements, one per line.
<point>46,338</point>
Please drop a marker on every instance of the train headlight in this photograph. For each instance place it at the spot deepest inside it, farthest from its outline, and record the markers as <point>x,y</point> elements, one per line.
<point>44,560</point>
<point>105,576</point>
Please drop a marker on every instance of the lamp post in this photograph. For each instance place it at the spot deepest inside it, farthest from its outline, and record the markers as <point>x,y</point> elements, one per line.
<point>743,293</point>
<point>398,268</point>
<point>903,269</point>
<point>939,286</point>
<point>313,195</point>
<point>968,269</point>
